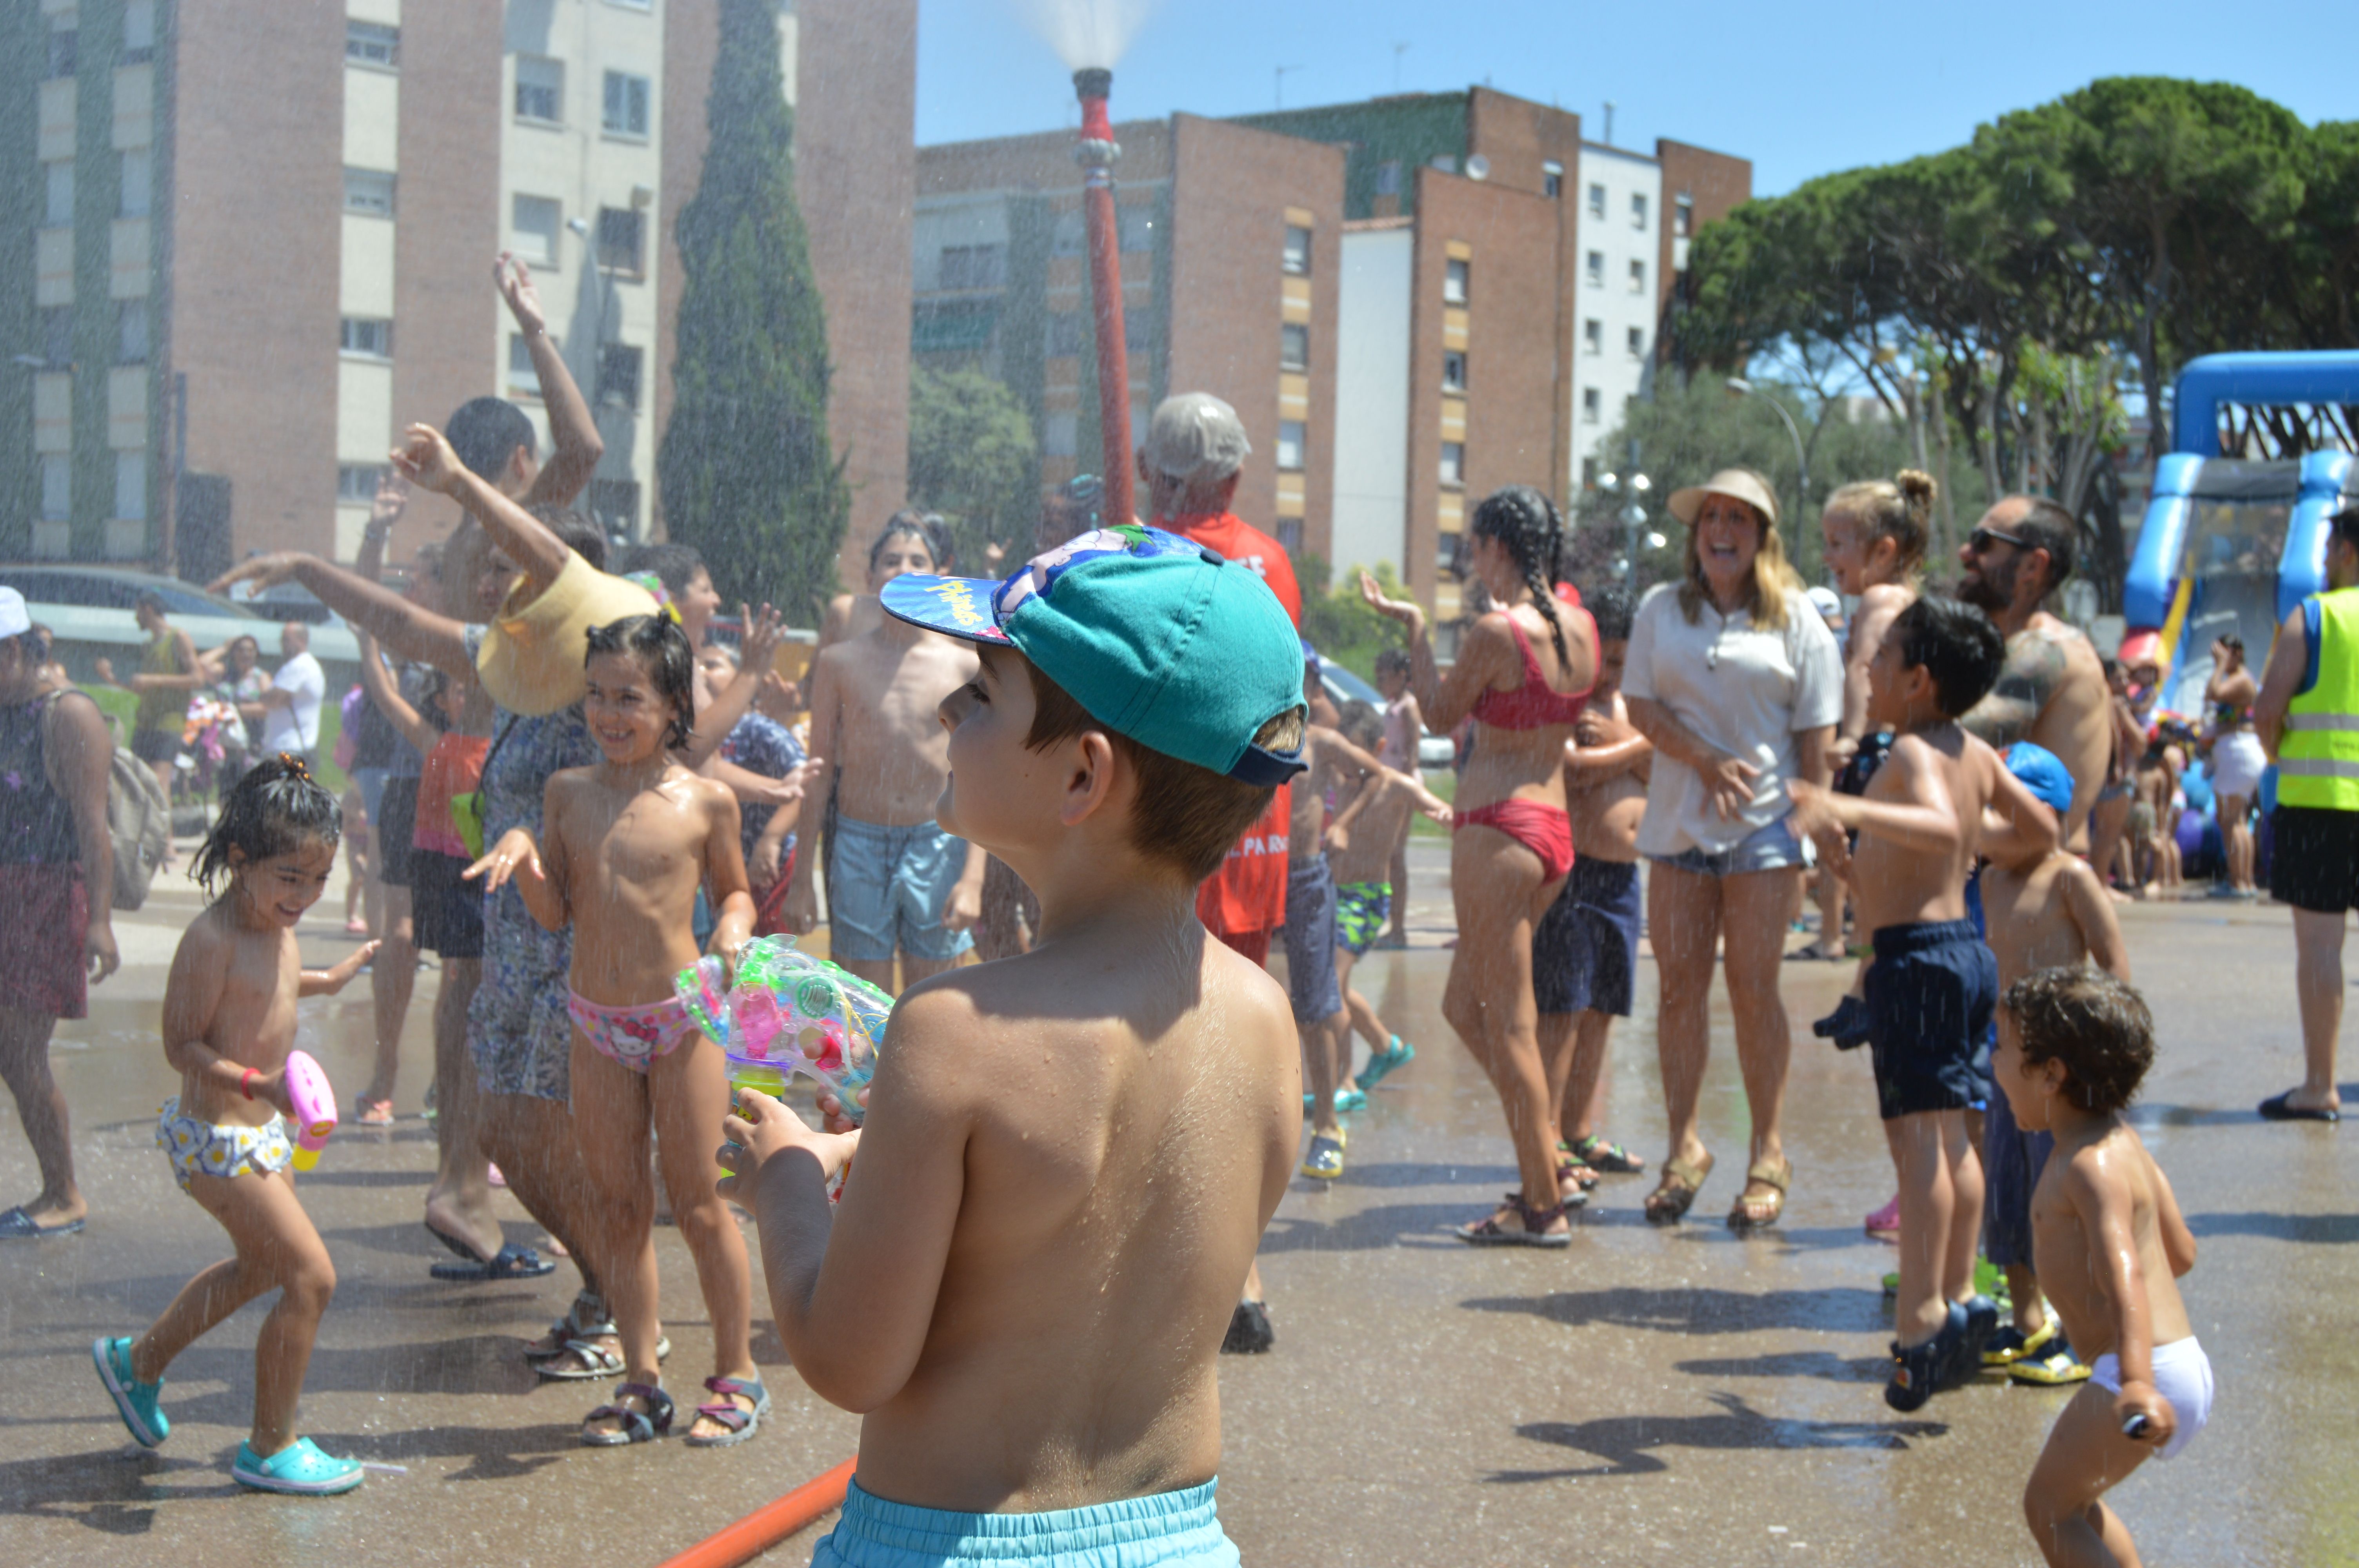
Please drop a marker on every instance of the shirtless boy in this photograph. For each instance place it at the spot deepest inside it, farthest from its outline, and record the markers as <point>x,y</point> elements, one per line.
<point>1404,727</point>
<point>1933,983</point>
<point>1069,1155</point>
<point>2154,819</point>
<point>1585,950</point>
<point>1364,841</point>
<point>2074,1046</point>
<point>1312,982</point>
<point>898,880</point>
<point>2044,911</point>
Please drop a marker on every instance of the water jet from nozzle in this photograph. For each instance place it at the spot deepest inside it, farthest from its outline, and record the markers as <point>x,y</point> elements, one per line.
<point>1086,32</point>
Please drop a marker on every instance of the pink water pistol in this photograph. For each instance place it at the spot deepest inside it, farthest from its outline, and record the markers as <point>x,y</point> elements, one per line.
<point>315,1107</point>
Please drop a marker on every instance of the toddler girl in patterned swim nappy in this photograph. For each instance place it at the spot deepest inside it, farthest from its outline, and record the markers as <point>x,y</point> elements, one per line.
<point>229,1022</point>
<point>625,845</point>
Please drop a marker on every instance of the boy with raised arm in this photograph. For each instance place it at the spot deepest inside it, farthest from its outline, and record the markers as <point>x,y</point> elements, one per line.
<point>1069,1155</point>
<point>2073,1045</point>
<point>1933,983</point>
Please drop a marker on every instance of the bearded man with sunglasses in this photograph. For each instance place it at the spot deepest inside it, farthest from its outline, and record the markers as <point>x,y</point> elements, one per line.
<point>2052,691</point>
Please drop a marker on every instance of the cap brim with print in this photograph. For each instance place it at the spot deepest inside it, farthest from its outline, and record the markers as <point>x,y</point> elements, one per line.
<point>1157,637</point>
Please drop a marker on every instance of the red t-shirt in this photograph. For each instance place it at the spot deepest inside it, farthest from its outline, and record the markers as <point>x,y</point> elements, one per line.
<point>1248,892</point>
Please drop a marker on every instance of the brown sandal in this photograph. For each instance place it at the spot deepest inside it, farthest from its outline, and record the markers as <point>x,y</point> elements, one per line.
<point>1488,1232</point>
<point>1671,1201</point>
<point>1777,1178</point>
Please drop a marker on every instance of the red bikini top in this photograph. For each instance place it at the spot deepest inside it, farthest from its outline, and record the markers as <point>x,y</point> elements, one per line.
<point>1532,706</point>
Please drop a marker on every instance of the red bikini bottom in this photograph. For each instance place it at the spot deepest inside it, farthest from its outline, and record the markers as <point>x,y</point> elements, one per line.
<point>1545,830</point>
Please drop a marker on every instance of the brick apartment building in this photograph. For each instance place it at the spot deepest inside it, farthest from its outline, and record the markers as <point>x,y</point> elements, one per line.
<point>1386,291</point>
<point>242,246</point>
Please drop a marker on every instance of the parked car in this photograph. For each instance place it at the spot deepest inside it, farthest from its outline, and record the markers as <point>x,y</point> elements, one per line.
<point>1434,753</point>
<point>115,588</point>
<point>91,607</point>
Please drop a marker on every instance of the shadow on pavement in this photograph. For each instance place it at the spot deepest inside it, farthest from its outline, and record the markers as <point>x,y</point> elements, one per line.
<point>2326,1229</point>
<point>1626,1443</point>
<point>1839,1308</point>
<point>1824,1364</point>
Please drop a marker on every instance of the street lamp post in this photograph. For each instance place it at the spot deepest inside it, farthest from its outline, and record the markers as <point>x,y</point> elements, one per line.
<point>1744,388</point>
<point>1632,487</point>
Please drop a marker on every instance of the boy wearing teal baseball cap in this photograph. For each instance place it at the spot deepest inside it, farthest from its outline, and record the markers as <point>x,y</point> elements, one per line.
<point>1069,1155</point>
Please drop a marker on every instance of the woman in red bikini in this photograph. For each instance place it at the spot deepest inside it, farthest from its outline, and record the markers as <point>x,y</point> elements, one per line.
<point>1524,671</point>
<point>1737,682</point>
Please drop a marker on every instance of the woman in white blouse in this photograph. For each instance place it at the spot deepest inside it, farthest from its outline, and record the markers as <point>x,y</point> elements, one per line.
<point>1738,682</point>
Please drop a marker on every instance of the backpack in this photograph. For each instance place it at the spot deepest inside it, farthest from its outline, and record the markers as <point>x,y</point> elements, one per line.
<point>138,820</point>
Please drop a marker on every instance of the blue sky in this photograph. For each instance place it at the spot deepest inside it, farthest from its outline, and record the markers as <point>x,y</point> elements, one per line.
<point>1801,90</point>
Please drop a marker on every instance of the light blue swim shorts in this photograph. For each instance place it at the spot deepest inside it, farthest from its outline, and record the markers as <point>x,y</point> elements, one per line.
<point>886,887</point>
<point>1164,1531</point>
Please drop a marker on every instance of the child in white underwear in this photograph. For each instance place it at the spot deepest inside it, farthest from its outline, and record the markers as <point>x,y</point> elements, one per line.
<point>229,1022</point>
<point>2109,1244</point>
<point>627,843</point>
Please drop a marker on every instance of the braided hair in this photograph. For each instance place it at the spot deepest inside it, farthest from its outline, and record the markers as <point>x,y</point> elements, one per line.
<point>1531,530</point>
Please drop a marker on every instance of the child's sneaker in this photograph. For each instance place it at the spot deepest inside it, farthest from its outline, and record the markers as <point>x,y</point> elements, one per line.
<point>300,1469</point>
<point>1966,1356</point>
<point>1917,1370</point>
<point>1400,1054</point>
<point>2011,1345</point>
<point>1325,1161</point>
<point>135,1402</point>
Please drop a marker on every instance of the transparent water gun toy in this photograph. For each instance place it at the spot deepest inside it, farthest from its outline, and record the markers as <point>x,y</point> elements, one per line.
<point>789,1013</point>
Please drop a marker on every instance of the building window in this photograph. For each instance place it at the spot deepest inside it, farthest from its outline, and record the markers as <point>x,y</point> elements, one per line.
<point>57,336</point>
<point>1289,444</point>
<point>1450,563</point>
<point>1589,473</point>
<point>621,239</point>
<point>972,267</point>
<point>131,331</point>
<point>368,192</point>
<point>64,53</point>
<point>1597,201</point>
<point>1551,179</point>
<point>1066,333</point>
<point>627,105</point>
<point>1293,346</point>
<point>57,211</point>
<point>1682,216</point>
<point>371,43</point>
<point>618,374</point>
<point>1139,330</point>
<point>1454,283</point>
<point>131,487</point>
<point>356,483</point>
<point>1592,335</point>
<point>1453,463</point>
<point>1592,405</point>
<point>523,374</point>
<point>1060,435</point>
<point>137,184</point>
<point>614,507</point>
<point>1388,177</point>
<point>1637,276</point>
<point>1453,370</point>
<point>1067,236</point>
<point>57,486</point>
<point>368,337</point>
<point>1297,261</point>
<point>1289,535</point>
<point>138,32</point>
<point>1134,228</point>
<point>1597,269</point>
<point>534,224</point>
<point>540,89</point>
<point>1637,342</point>
<point>1637,209</point>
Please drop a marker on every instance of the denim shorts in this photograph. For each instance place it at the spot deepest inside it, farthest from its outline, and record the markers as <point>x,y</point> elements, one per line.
<point>1771,849</point>
<point>886,887</point>
<point>1167,1530</point>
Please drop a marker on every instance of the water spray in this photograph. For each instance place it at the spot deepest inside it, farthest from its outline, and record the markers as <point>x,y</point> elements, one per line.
<point>1096,152</point>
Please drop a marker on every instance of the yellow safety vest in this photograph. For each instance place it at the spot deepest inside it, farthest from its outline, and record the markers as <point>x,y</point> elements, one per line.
<point>2318,759</point>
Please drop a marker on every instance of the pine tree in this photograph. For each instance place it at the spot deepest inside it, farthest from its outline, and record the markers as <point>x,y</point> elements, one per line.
<point>747,473</point>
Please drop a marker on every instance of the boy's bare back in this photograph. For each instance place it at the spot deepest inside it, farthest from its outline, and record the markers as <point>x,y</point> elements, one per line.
<point>1901,883</point>
<point>629,863</point>
<point>1103,1130</point>
<point>2054,913</point>
<point>1374,834</point>
<point>874,701</point>
<point>233,989</point>
<point>2109,1184</point>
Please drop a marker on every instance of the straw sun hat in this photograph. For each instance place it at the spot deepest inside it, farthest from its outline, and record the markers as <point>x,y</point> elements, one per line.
<point>1743,485</point>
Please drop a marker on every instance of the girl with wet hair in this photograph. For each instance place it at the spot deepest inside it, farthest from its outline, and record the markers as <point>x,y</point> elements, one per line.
<point>1524,671</point>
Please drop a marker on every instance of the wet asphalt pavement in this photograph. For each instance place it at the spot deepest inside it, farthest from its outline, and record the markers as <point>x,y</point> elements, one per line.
<point>1676,1397</point>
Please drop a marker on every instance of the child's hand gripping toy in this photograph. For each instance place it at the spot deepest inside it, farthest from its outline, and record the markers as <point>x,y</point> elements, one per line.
<point>789,1013</point>
<point>315,1107</point>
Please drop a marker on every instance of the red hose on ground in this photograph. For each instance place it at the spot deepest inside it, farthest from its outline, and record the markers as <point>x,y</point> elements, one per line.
<point>770,1524</point>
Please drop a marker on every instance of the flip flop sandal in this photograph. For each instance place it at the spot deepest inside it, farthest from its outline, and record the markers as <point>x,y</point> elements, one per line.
<point>511,1262</point>
<point>742,1422</point>
<point>1778,1178</point>
<point>1669,1202</point>
<point>1599,1156</point>
<point>638,1426</point>
<point>2280,1108</point>
<point>17,1225</point>
<point>373,1113</point>
<point>1488,1232</point>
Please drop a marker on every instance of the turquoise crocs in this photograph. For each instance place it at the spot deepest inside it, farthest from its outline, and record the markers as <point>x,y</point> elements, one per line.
<point>135,1402</point>
<point>1348,1098</point>
<point>300,1469</point>
<point>1400,1052</point>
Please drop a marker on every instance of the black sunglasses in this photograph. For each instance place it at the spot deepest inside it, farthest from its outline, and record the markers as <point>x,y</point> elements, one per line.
<point>1980,540</point>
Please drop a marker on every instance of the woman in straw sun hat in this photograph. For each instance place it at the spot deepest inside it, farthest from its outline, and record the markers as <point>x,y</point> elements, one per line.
<point>1737,681</point>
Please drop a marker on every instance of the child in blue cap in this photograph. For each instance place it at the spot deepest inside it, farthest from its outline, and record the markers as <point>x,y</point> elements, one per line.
<point>2046,909</point>
<point>1068,1155</point>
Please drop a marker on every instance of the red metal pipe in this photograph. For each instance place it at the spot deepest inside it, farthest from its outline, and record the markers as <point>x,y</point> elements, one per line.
<point>768,1525</point>
<point>1097,151</point>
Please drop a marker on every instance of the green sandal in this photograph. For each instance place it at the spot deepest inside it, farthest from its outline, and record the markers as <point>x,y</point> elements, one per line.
<point>1599,1156</point>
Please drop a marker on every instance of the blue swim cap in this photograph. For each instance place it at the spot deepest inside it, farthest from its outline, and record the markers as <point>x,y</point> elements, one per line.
<point>2042,773</point>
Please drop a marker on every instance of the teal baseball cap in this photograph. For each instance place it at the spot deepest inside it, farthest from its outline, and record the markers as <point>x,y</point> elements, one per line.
<point>1156,636</point>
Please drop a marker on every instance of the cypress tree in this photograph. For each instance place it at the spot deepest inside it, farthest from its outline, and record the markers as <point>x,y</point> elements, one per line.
<point>747,473</point>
